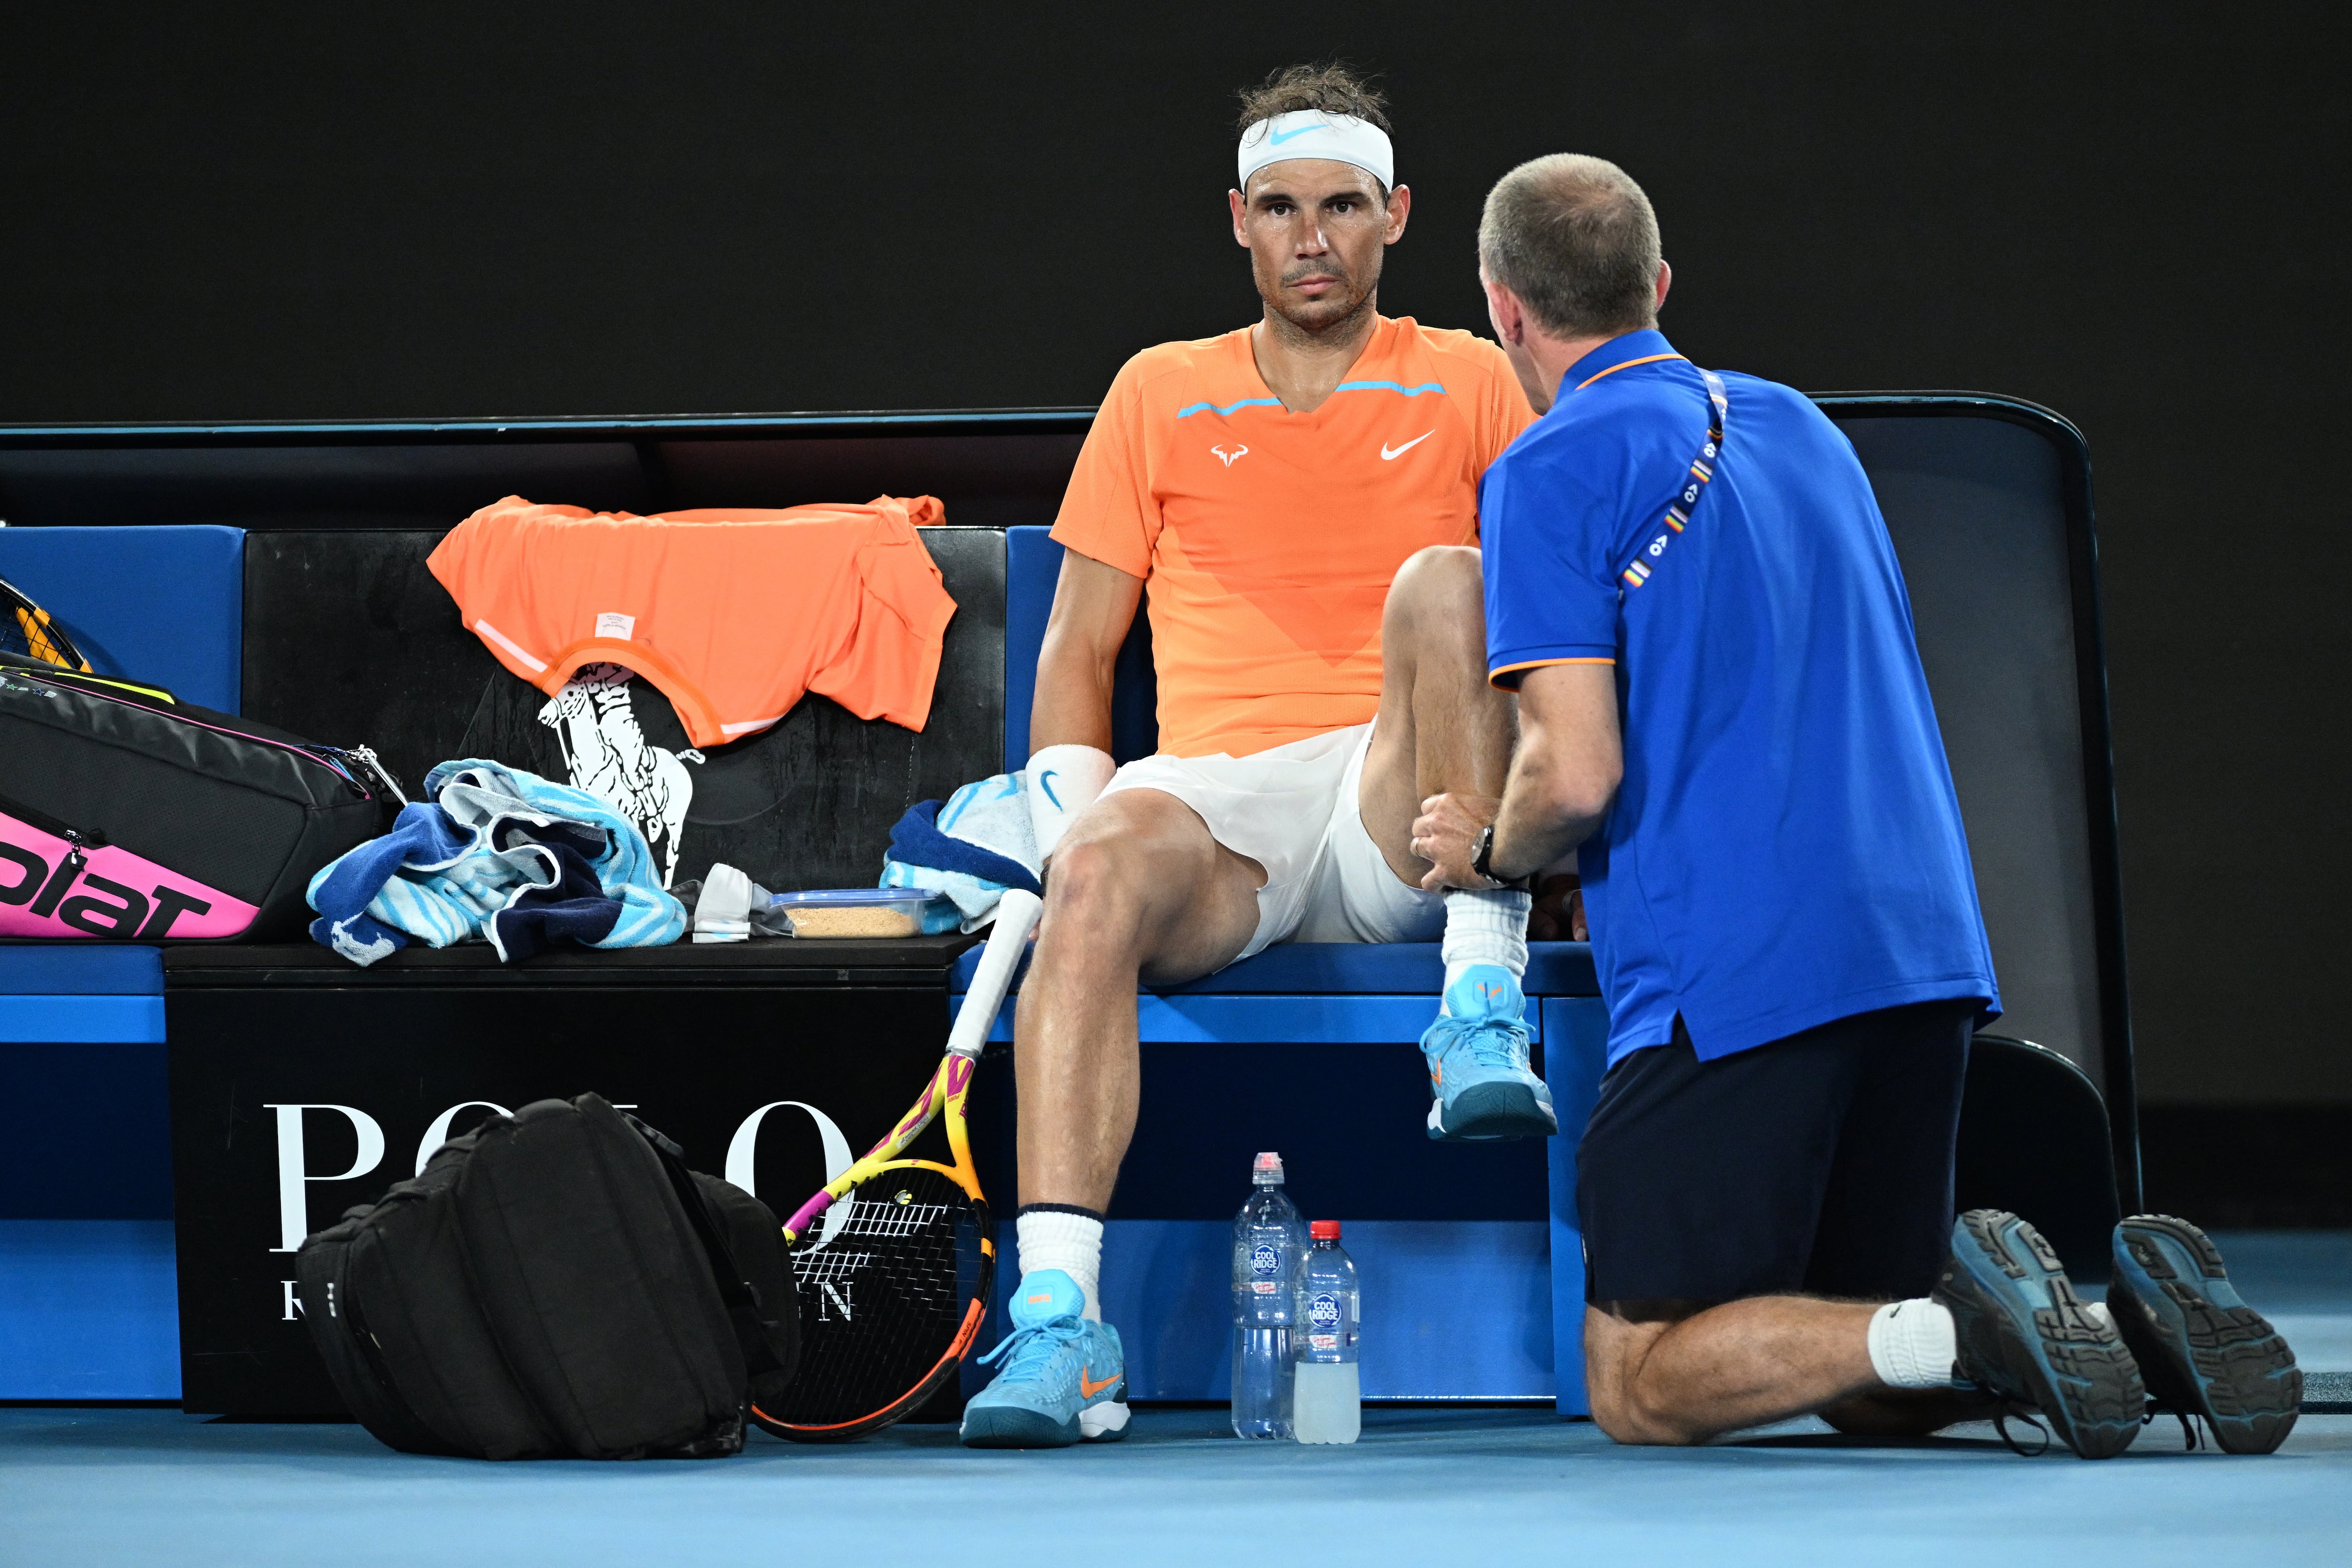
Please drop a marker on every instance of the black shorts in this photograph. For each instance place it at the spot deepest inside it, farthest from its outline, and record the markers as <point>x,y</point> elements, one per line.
<point>1821,1163</point>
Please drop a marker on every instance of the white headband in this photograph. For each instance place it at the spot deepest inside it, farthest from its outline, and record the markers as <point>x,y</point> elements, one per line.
<point>1311,133</point>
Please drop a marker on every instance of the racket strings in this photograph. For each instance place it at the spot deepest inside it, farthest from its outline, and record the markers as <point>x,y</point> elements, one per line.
<point>881,1302</point>
<point>26,631</point>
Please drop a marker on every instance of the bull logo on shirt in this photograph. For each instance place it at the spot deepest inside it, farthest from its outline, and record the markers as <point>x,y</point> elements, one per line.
<point>1229,458</point>
<point>607,754</point>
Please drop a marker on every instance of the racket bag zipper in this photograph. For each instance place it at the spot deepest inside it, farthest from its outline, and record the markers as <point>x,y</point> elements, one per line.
<point>127,814</point>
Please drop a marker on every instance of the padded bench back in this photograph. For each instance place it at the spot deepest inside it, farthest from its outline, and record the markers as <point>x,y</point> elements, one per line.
<point>165,604</point>
<point>1033,564</point>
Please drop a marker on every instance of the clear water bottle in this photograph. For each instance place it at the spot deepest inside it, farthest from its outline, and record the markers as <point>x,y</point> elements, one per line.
<point>1328,1404</point>
<point>1269,1241</point>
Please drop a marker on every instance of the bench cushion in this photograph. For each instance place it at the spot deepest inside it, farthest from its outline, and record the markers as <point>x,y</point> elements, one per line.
<point>1360,968</point>
<point>81,969</point>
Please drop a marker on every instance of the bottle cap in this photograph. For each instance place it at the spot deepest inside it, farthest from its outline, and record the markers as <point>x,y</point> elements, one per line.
<point>1267,1170</point>
<point>1324,1230</point>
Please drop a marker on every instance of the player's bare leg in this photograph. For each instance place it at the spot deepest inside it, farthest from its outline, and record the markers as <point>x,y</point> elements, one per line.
<point>1138,889</point>
<point>1443,730</point>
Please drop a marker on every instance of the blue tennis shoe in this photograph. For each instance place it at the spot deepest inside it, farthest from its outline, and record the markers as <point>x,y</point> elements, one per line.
<point>1477,1053</point>
<point>1063,1379</point>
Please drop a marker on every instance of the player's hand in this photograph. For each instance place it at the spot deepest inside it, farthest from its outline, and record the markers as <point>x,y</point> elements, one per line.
<point>1444,834</point>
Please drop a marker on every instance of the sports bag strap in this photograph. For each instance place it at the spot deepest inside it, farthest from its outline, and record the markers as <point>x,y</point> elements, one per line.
<point>734,1290</point>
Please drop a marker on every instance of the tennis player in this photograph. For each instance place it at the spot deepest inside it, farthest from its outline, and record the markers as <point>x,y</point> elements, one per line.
<point>1301,498</point>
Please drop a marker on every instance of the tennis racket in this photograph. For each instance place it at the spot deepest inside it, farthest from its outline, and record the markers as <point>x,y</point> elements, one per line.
<point>895,1258</point>
<point>26,631</point>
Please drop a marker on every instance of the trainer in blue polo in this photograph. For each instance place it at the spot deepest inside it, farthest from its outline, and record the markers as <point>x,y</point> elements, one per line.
<point>1786,849</point>
<point>1723,713</point>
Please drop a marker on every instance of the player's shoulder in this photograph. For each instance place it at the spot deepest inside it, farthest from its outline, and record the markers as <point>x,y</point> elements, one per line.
<point>1181,363</point>
<point>1461,353</point>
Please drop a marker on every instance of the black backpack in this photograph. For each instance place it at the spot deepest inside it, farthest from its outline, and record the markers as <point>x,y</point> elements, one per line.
<point>555,1285</point>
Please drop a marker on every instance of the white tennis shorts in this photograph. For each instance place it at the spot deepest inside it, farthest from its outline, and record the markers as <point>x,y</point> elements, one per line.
<point>1293,810</point>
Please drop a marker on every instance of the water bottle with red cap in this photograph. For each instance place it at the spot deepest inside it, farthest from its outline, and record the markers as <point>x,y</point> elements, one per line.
<point>1327,1399</point>
<point>1269,1241</point>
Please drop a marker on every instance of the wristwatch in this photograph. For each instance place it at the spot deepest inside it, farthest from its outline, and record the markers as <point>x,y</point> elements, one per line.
<point>1482,851</point>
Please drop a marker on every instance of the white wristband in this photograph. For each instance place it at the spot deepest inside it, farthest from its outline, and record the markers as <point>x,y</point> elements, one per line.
<point>1063,782</point>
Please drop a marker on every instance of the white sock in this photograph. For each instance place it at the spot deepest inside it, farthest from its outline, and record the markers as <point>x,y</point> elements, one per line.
<point>1913,1343</point>
<point>1056,1238</point>
<point>1488,927</point>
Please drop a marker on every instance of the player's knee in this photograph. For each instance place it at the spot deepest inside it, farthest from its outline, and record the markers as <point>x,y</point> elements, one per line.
<point>1093,880</point>
<point>1438,595</point>
<point>1442,576</point>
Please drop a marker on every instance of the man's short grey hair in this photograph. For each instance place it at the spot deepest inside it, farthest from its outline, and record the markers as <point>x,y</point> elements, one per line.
<point>1574,238</point>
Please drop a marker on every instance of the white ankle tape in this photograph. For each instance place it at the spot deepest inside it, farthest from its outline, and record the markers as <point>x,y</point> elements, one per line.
<point>1913,1343</point>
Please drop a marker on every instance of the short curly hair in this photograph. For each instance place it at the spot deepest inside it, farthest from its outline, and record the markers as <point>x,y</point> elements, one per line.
<point>1334,87</point>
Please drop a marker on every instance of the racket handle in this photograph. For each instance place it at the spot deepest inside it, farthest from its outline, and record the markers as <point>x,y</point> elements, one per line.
<point>1016,917</point>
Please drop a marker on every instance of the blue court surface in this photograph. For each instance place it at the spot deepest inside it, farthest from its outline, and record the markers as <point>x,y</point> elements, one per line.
<point>1424,1486</point>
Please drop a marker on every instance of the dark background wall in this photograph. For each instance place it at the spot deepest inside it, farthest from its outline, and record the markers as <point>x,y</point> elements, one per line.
<point>2132,213</point>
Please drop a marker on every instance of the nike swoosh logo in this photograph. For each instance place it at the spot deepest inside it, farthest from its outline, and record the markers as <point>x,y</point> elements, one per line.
<point>1391,454</point>
<point>1046,782</point>
<point>1279,137</point>
<point>1088,1389</point>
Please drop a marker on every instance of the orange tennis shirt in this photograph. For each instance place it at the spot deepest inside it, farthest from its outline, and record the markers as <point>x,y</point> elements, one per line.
<point>1267,540</point>
<point>733,613</point>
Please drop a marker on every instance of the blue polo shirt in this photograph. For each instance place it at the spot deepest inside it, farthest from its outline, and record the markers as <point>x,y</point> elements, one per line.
<point>1786,849</point>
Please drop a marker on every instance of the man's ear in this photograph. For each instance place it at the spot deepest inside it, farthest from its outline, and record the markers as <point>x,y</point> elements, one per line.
<point>1503,308</point>
<point>1400,208</point>
<point>1240,205</point>
<point>1665,281</point>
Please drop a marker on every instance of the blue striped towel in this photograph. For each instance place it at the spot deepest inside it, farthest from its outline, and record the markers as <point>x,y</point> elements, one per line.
<point>495,853</point>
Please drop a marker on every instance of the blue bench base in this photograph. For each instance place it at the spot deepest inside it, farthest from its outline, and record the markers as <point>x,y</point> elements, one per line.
<point>89,1308</point>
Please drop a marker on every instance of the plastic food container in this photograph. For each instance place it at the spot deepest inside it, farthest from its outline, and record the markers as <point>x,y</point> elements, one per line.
<point>867,912</point>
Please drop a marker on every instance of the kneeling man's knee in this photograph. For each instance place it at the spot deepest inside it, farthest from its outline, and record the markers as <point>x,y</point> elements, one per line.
<point>1619,1412</point>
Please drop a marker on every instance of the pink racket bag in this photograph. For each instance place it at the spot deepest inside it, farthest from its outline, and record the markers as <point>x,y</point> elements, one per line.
<point>126,814</point>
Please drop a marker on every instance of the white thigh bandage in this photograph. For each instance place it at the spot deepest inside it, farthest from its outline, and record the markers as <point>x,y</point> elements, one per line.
<point>1064,782</point>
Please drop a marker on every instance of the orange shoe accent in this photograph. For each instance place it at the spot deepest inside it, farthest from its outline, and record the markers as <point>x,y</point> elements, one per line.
<point>733,613</point>
<point>1086,1389</point>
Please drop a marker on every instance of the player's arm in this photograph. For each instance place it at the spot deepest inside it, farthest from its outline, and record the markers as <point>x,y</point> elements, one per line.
<point>1069,719</point>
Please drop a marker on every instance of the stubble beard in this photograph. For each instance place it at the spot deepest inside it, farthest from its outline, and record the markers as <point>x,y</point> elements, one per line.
<point>1312,322</point>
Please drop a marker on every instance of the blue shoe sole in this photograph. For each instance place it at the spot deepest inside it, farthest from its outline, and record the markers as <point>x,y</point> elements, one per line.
<point>2024,1334</point>
<point>1490,1113</point>
<point>1010,1426</point>
<point>2202,1349</point>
